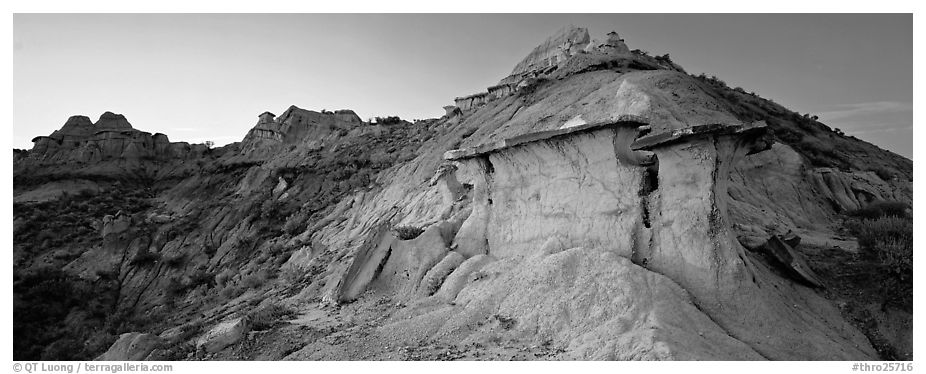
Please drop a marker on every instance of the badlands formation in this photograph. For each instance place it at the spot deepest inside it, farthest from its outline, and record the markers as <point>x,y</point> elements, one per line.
<point>596,203</point>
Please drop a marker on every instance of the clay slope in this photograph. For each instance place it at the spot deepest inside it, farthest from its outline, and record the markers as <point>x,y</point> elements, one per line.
<point>776,317</point>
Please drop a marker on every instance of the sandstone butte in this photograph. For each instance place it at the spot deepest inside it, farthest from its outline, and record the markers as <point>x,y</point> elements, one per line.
<point>596,203</point>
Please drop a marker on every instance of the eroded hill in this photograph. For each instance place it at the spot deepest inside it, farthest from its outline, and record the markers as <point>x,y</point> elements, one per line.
<point>597,203</point>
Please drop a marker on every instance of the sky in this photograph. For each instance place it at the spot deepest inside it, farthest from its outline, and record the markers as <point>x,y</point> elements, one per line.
<point>198,77</point>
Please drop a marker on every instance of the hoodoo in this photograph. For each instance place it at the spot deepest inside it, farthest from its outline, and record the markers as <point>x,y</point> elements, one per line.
<point>596,203</point>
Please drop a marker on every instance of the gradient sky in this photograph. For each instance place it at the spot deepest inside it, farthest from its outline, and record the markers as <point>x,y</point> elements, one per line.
<point>200,77</point>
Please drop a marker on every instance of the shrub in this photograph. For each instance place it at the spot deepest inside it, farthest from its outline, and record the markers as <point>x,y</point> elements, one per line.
<point>873,232</point>
<point>788,135</point>
<point>295,224</point>
<point>65,349</point>
<point>884,174</point>
<point>897,254</point>
<point>408,232</point>
<point>209,249</point>
<point>254,281</point>
<point>107,274</point>
<point>231,291</point>
<point>177,352</point>
<point>174,287</point>
<point>144,257</point>
<point>294,274</point>
<point>175,260</point>
<point>819,146</point>
<point>880,209</point>
<point>390,120</point>
<point>201,276</point>
<point>890,239</point>
<point>223,277</point>
<point>268,317</point>
<point>273,209</point>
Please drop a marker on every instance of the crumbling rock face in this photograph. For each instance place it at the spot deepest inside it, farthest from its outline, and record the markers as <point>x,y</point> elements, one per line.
<point>54,190</point>
<point>110,138</point>
<point>347,115</point>
<point>452,110</point>
<point>131,346</point>
<point>587,191</point>
<point>615,43</point>
<point>774,191</point>
<point>558,47</point>
<point>472,101</point>
<point>295,126</point>
<point>853,190</point>
<point>115,224</point>
<point>112,121</point>
<point>578,189</point>
<point>694,246</point>
<point>224,334</point>
<point>502,90</point>
<point>791,261</point>
<point>566,53</point>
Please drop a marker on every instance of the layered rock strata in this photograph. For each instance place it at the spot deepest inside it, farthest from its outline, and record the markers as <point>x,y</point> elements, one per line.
<point>296,126</point>
<point>111,137</point>
<point>658,201</point>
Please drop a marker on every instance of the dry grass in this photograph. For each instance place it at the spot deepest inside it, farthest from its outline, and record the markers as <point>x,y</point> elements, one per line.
<point>890,240</point>
<point>267,317</point>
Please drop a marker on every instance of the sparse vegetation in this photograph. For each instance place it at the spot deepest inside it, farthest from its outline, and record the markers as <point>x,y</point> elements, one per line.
<point>55,312</point>
<point>664,58</point>
<point>231,291</point>
<point>201,277</point>
<point>179,346</point>
<point>175,260</point>
<point>183,226</point>
<point>254,280</point>
<point>144,258</point>
<point>295,223</point>
<point>269,316</point>
<point>72,218</point>
<point>222,279</point>
<point>818,143</point>
<point>294,274</point>
<point>885,232</point>
<point>174,287</point>
<point>882,208</point>
<point>390,120</point>
<point>884,173</point>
